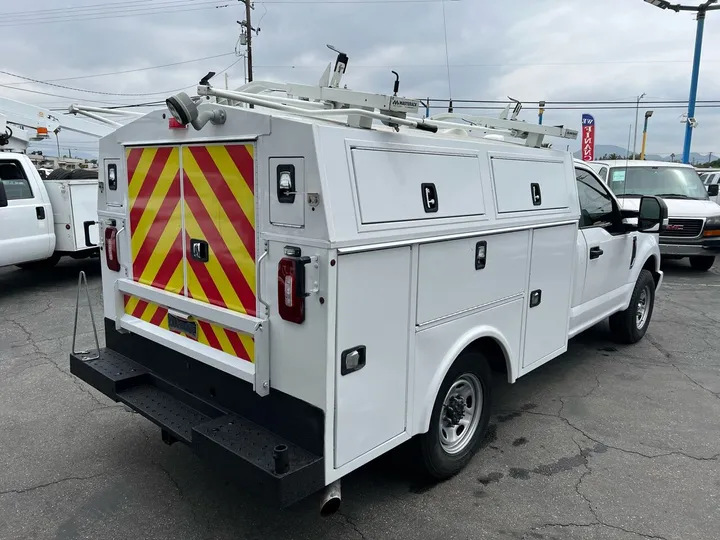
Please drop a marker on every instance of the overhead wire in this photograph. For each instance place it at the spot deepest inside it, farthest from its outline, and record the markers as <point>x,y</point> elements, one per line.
<point>124,71</point>
<point>97,92</point>
<point>133,8</point>
<point>147,11</point>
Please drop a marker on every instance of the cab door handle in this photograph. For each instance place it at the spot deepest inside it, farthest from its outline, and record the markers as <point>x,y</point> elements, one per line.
<point>595,252</point>
<point>40,212</point>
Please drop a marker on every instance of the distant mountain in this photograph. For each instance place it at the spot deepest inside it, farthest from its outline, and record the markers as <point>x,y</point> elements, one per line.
<point>607,149</point>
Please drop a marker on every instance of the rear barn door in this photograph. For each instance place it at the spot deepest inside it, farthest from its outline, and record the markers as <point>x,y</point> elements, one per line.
<point>156,217</point>
<point>192,232</point>
<point>219,206</point>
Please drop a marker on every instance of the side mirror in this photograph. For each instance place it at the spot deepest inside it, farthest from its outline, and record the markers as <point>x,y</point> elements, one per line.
<point>712,190</point>
<point>653,214</point>
<point>3,195</point>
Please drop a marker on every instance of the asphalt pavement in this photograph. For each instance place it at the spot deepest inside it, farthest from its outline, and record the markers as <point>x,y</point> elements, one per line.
<point>605,442</point>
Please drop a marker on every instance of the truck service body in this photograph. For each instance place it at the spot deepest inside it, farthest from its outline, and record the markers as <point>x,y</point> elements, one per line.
<point>293,295</point>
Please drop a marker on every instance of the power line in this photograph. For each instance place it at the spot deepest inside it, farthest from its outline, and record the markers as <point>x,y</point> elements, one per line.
<point>114,15</point>
<point>574,102</point>
<point>100,11</point>
<point>110,8</point>
<point>567,108</point>
<point>100,92</point>
<point>465,66</point>
<point>367,2</point>
<point>89,7</point>
<point>153,4</point>
<point>134,70</point>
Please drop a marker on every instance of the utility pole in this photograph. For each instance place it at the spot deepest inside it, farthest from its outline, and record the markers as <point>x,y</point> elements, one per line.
<point>247,24</point>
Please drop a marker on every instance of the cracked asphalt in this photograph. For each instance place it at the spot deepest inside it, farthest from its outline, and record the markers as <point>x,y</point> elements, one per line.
<point>606,442</point>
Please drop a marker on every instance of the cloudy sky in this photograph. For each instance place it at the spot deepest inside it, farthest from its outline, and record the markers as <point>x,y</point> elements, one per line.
<point>556,50</point>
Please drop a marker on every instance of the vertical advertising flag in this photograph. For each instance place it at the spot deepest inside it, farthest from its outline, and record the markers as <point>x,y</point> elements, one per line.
<point>588,137</point>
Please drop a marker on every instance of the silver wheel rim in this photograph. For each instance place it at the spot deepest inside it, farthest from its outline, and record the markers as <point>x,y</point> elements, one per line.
<point>460,414</point>
<point>643,308</point>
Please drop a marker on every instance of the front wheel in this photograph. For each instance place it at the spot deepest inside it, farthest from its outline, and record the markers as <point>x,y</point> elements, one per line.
<point>630,325</point>
<point>459,418</point>
<point>702,263</point>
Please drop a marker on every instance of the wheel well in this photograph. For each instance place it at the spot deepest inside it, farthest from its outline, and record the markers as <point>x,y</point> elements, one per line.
<point>651,265</point>
<point>493,351</point>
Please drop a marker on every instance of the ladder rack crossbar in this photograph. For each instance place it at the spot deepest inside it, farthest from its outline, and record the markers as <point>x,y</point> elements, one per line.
<point>319,108</point>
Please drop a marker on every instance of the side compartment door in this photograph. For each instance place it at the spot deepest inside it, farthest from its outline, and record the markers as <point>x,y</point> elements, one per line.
<point>608,248</point>
<point>372,336</point>
<point>552,264</point>
<point>25,231</point>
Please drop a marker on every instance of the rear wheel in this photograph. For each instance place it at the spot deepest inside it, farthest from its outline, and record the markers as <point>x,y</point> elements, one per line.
<point>702,263</point>
<point>459,418</point>
<point>629,326</point>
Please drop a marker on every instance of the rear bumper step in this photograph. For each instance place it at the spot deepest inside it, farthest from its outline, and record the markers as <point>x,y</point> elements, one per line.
<point>266,463</point>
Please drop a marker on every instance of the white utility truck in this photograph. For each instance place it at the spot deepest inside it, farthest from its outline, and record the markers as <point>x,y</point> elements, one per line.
<point>43,219</point>
<point>693,229</point>
<point>296,287</point>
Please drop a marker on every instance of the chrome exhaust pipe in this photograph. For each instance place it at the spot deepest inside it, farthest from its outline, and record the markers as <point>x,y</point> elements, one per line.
<point>331,499</point>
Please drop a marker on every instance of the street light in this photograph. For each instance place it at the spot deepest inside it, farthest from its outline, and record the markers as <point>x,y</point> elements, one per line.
<point>648,114</point>
<point>637,111</point>
<point>701,10</point>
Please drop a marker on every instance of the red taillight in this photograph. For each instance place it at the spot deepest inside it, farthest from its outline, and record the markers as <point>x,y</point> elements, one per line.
<point>291,288</point>
<point>111,253</point>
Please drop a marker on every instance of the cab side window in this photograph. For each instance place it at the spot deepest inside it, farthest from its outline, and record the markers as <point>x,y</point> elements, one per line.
<point>603,173</point>
<point>16,183</point>
<point>596,205</point>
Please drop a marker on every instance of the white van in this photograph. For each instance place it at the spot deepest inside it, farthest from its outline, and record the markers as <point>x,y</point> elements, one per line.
<point>694,227</point>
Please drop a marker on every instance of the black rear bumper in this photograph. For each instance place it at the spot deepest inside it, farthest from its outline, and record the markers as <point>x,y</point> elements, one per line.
<point>280,469</point>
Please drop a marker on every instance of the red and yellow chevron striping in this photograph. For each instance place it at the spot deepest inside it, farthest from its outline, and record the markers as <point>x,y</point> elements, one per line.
<point>155,217</point>
<point>219,208</point>
<point>209,188</point>
<point>218,337</point>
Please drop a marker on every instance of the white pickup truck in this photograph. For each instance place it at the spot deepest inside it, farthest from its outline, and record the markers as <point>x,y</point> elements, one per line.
<point>44,216</point>
<point>296,288</point>
<point>43,220</point>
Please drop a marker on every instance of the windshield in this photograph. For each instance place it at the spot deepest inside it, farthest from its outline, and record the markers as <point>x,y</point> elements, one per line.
<point>668,182</point>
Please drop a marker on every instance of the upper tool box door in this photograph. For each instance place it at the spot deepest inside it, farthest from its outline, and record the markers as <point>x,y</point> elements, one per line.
<point>395,186</point>
<point>524,184</point>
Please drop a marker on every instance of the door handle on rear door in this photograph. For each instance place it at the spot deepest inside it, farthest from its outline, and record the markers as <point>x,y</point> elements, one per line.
<point>595,252</point>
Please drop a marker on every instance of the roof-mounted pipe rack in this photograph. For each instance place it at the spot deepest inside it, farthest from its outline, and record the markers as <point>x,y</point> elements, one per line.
<point>361,109</point>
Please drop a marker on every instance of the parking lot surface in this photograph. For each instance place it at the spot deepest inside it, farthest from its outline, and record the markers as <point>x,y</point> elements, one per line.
<point>605,442</point>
